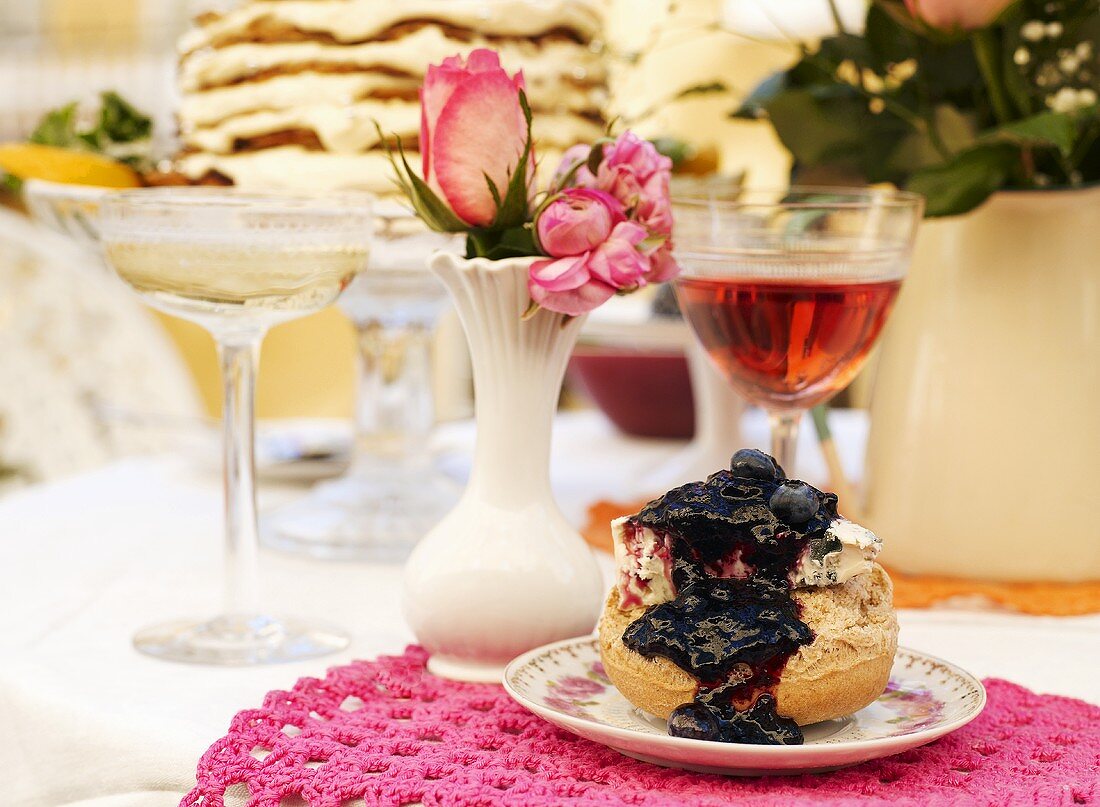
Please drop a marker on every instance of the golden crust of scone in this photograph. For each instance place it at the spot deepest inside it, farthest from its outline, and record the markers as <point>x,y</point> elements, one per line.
<point>845,668</point>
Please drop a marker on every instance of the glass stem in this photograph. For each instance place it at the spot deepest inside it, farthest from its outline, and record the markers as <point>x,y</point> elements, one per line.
<point>784,428</point>
<point>239,358</point>
<point>395,410</point>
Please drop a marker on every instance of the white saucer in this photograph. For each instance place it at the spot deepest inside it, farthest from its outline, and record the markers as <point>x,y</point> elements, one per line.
<point>565,683</point>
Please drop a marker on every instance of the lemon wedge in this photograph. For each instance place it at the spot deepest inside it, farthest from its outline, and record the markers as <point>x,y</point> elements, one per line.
<point>35,161</point>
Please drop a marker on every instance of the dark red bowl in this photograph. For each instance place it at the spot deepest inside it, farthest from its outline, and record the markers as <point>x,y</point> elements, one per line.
<point>644,393</point>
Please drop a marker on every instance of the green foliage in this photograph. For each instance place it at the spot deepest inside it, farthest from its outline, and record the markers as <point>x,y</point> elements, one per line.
<point>954,115</point>
<point>120,131</point>
<point>58,128</point>
<point>428,206</point>
<point>514,242</point>
<point>119,122</point>
<point>965,181</point>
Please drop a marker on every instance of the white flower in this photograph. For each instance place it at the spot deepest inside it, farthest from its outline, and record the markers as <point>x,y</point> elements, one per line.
<point>1068,99</point>
<point>1069,64</point>
<point>1032,30</point>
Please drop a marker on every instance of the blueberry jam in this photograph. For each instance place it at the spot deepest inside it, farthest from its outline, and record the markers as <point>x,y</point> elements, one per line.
<point>735,541</point>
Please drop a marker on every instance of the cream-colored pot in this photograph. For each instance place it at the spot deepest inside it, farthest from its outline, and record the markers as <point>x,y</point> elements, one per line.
<point>984,456</point>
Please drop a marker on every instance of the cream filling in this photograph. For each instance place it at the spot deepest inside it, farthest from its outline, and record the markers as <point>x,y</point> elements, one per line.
<point>644,577</point>
<point>351,129</point>
<point>205,108</point>
<point>645,574</point>
<point>286,92</point>
<point>852,550</point>
<point>548,63</point>
<point>345,130</point>
<point>296,168</point>
<point>356,20</point>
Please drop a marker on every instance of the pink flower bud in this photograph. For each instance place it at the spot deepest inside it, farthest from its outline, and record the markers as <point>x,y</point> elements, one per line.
<point>957,15</point>
<point>619,261</point>
<point>577,221</point>
<point>471,128</point>
<point>565,285</point>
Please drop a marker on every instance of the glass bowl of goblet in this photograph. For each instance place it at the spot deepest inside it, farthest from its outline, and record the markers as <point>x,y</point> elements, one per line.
<point>787,291</point>
<point>237,263</point>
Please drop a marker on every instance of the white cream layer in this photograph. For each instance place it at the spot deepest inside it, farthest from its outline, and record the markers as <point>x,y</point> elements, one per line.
<point>357,20</point>
<point>352,129</point>
<point>548,63</point>
<point>296,168</point>
<point>645,575</point>
<point>856,554</point>
<point>287,92</point>
<point>204,108</point>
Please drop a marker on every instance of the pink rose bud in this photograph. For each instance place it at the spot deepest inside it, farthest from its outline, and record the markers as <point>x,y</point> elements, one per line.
<point>639,156</point>
<point>565,285</point>
<point>577,221</point>
<point>619,261</point>
<point>471,128</point>
<point>655,205</point>
<point>664,265</point>
<point>638,175</point>
<point>957,15</point>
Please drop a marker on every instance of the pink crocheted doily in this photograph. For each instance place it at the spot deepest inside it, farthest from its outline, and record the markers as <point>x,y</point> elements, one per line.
<point>388,733</point>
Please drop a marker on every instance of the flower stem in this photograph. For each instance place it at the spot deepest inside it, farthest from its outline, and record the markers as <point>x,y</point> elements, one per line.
<point>987,52</point>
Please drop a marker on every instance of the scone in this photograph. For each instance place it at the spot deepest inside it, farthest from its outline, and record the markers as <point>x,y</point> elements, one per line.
<point>745,607</point>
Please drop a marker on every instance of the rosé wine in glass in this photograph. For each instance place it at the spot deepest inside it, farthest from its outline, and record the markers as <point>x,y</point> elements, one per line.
<point>782,343</point>
<point>788,291</point>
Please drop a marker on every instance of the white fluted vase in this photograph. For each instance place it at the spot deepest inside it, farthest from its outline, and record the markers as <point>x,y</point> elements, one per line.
<point>504,572</point>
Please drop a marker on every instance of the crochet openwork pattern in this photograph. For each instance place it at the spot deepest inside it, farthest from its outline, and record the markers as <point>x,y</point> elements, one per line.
<point>388,733</point>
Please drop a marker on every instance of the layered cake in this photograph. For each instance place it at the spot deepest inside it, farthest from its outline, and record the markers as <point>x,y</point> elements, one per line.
<point>746,607</point>
<point>287,93</point>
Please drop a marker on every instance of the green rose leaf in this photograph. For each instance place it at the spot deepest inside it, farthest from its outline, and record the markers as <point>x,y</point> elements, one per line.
<point>813,130</point>
<point>1047,129</point>
<point>964,182</point>
<point>496,245</point>
<point>755,106</point>
<point>889,42</point>
<point>428,206</point>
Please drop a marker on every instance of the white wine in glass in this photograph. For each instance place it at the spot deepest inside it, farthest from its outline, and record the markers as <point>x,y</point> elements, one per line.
<point>237,263</point>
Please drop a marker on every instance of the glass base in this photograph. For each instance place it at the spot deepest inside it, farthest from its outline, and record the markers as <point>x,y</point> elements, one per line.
<point>459,669</point>
<point>238,641</point>
<point>366,516</point>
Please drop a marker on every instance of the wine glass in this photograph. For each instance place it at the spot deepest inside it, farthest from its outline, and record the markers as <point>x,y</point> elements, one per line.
<point>788,290</point>
<point>237,263</point>
<point>393,494</point>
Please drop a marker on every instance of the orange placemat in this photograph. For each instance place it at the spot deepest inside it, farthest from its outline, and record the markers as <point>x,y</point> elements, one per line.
<point>919,591</point>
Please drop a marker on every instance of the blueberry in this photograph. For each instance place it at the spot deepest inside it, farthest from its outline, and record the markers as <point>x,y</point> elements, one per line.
<point>794,503</point>
<point>694,721</point>
<point>749,463</point>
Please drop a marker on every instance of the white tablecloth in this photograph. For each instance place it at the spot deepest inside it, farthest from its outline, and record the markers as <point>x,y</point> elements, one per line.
<point>86,720</point>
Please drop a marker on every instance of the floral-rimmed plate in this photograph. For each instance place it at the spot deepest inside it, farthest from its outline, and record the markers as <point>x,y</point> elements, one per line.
<point>565,683</point>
